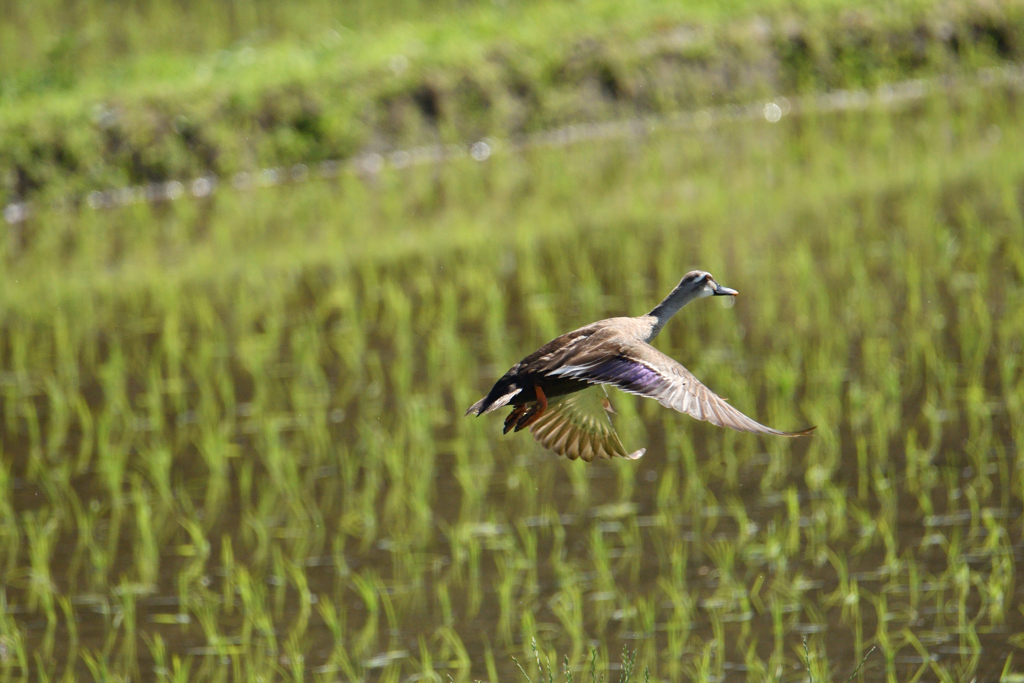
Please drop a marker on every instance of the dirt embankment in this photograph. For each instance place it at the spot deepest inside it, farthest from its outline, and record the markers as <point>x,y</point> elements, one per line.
<point>221,130</point>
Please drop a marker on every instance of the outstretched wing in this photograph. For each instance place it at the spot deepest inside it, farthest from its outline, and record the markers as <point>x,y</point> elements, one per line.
<point>579,426</point>
<point>639,368</point>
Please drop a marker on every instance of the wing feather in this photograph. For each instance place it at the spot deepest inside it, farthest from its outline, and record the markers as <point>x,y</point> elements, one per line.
<point>571,428</point>
<point>639,368</point>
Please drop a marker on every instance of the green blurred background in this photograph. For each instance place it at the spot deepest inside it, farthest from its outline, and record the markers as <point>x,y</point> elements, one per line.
<point>232,436</point>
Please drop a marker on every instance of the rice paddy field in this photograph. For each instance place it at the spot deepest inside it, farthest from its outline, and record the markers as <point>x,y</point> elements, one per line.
<point>233,443</point>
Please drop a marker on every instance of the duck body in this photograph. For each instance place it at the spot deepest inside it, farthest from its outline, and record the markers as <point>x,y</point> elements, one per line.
<point>518,385</point>
<point>616,352</point>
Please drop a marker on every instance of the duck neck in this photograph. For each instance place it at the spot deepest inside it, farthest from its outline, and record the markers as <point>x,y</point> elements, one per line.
<point>664,311</point>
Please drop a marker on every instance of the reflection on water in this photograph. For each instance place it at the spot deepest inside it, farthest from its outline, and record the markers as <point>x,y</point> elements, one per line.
<point>270,474</point>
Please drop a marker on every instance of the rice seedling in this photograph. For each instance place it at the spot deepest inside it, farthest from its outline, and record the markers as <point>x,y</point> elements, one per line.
<point>249,461</point>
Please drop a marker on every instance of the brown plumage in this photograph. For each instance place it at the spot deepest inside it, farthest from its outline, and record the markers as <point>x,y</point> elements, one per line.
<point>614,351</point>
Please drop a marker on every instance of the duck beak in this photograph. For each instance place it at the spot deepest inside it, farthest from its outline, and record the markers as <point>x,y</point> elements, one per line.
<point>724,291</point>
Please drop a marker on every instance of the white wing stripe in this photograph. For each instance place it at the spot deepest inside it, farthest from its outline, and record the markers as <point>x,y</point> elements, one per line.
<point>571,370</point>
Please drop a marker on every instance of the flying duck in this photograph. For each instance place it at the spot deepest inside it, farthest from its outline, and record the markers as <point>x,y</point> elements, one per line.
<point>545,389</point>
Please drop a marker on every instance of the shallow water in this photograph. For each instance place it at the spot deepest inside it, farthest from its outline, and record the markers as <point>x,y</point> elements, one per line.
<point>234,445</point>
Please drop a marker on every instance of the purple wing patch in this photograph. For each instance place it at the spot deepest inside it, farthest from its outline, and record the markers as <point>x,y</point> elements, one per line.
<point>626,374</point>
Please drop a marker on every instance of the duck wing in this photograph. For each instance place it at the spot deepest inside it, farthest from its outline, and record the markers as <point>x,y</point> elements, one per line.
<point>579,426</point>
<point>638,368</point>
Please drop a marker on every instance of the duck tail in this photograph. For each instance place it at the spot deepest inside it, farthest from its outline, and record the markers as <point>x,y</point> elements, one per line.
<point>476,407</point>
<point>488,404</point>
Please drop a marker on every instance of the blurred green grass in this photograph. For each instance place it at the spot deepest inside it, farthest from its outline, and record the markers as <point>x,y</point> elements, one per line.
<point>95,95</point>
<point>66,43</point>
<point>233,444</point>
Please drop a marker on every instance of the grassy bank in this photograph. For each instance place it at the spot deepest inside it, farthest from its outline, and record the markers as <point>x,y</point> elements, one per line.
<point>125,103</point>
